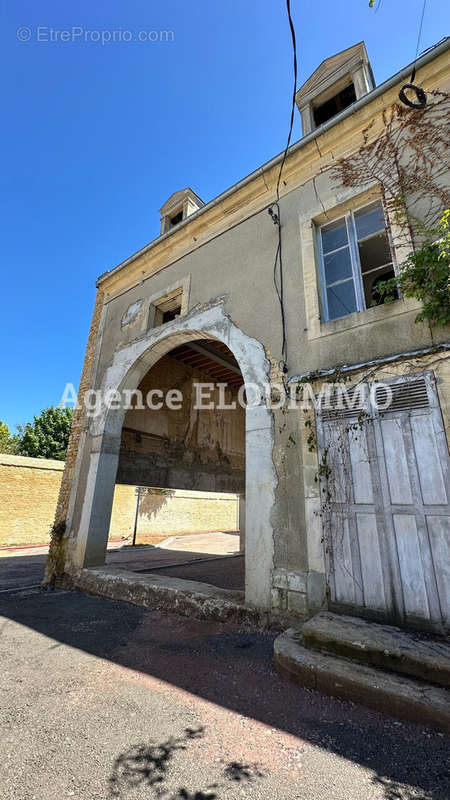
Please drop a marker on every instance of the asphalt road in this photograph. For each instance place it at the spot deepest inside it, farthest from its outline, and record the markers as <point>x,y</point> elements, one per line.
<point>101,699</point>
<point>18,571</point>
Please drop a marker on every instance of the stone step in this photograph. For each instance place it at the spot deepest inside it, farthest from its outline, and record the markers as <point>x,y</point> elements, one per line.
<point>395,695</point>
<point>384,646</point>
<point>171,595</point>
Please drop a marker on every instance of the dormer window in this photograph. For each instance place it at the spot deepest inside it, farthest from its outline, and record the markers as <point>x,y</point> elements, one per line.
<point>334,105</point>
<point>178,207</point>
<point>334,86</point>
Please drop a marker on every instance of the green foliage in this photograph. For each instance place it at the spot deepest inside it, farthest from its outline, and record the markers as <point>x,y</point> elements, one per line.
<point>48,435</point>
<point>8,443</point>
<point>426,276</point>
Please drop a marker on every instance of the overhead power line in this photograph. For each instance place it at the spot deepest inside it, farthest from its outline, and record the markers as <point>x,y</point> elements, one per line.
<point>276,214</point>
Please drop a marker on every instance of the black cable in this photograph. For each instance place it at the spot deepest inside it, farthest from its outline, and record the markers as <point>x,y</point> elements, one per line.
<point>420,94</point>
<point>276,217</point>
<point>294,90</point>
<point>420,30</point>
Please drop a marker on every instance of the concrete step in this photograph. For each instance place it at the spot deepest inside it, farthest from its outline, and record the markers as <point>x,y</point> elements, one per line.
<point>383,646</point>
<point>395,695</point>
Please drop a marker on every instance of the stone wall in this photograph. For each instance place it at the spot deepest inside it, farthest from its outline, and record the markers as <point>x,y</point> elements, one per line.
<point>172,513</point>
<point>28,494</point>
<point>29,490</point>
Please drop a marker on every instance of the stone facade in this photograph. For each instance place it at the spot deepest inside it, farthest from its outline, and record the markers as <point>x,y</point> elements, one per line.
<point>223,255</point>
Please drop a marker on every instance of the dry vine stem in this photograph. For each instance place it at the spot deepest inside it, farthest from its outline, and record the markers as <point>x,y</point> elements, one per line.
<point>409,160</point>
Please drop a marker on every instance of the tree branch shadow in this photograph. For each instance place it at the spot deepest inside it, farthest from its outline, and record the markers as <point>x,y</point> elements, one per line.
<point>149,765</point>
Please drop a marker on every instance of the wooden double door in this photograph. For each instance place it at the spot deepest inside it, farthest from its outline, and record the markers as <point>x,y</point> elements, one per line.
<point>386,504</point>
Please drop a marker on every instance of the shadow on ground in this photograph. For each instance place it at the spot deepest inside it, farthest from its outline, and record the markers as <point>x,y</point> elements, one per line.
<point>149,765</point>
<point>225,572</point>
<point>232,668</point>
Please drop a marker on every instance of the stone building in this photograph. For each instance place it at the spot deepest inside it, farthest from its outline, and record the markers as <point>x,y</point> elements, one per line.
<point>198,304</point>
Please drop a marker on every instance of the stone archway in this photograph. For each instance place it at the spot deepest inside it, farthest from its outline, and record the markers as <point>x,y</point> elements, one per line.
<point>92,492</point>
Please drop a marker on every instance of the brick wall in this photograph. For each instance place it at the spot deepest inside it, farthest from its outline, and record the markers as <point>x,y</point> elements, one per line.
<point>28,493</point>
<point>29,489</point>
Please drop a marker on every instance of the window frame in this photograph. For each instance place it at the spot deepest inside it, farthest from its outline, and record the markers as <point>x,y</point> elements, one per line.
<point>357,275</point>
<point>179,291</point>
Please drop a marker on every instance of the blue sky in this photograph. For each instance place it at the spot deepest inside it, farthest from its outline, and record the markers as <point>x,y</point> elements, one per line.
<point>95,139</point>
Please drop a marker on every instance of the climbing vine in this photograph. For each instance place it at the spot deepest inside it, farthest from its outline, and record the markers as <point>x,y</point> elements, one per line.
<point>408,159</point>
<point>425,275</point>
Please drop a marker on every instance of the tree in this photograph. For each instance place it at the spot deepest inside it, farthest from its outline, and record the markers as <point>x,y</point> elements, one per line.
<point>8,443</point>
<point>48,435</point>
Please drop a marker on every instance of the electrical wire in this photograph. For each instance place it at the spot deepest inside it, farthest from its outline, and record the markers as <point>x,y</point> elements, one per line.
<point>420,93</point>
<point>276,217</point>
<point>294,90</point>
<point>420,30</point>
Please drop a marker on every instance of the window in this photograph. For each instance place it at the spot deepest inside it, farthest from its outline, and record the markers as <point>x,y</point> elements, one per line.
<point>166,307</point>
<point>355,257</point>
<point>333,106</point>
<point>176,218</point>
<point>169,303</point>
<point>173,313</point>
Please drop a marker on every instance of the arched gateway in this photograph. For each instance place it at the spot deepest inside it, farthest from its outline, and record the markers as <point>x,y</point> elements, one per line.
<point>98,455</point>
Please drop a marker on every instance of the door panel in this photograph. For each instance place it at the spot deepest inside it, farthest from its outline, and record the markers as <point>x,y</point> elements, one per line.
<point>396,464</point>
<point>439,532</point>
<point>411,567</point>
<point>360,462</point>
<point>371,564</point>
<point>344,572</point>
<point>428,462</point>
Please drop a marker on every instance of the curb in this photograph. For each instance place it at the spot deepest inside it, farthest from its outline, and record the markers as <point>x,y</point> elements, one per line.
<point>171,595</point>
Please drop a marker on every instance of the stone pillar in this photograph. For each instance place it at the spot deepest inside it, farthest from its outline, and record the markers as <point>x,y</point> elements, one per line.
<point>260,496</point>
<point>242,523</point>
<point>93,492</point>
<point>92,539</point>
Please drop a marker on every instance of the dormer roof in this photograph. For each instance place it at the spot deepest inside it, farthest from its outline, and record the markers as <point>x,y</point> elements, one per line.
<point>332,69</point>
<point>177,199</point>
<point>348,71</point>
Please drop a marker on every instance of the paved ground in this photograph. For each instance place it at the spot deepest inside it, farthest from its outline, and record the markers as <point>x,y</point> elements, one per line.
<point>193,560</point>
<point>211,553</point>
<point>221,543</point>
<point>101,699</point>
<point>224,572</point>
